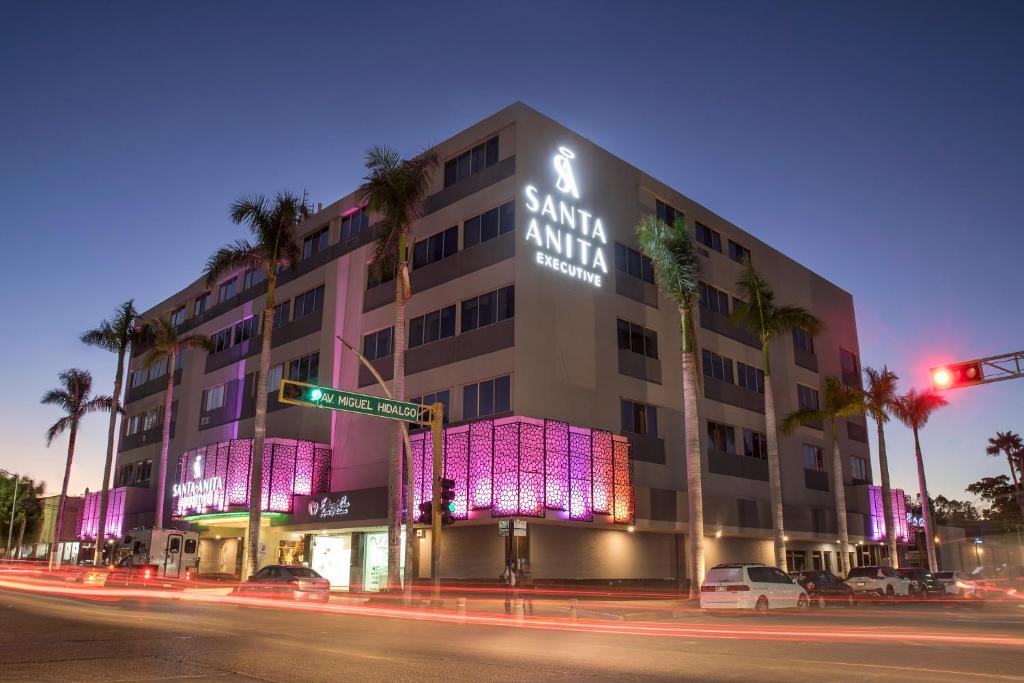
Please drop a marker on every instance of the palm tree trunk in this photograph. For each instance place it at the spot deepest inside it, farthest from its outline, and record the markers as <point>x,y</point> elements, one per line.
<point>926,507</point>
<point>695,494</point>
<point>21,533</point>
<point>1013,471</point>
<point>101,529</point>
<point>165,444</point>
<point>774,471</point>
<point>840,498</point>
<point>260,429</point>
<point>890,521</point>
<point>59,524</point>
<point>397,393</point>
<point>409,487</point>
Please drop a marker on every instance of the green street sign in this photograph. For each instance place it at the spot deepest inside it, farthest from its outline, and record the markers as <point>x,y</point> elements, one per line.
<point>302,394</point>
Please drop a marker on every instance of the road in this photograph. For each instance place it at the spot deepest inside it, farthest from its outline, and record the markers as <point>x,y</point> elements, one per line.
<point>68,638</point>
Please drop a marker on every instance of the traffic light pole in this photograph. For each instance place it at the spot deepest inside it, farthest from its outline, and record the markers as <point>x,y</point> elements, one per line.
<point>989,370</point>
<point>436,434</point>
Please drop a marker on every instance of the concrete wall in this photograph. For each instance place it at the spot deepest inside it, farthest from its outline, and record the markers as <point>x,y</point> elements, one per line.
<point>560,552</point>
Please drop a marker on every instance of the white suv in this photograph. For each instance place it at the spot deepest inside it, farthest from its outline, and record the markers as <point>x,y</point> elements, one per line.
<point>884,582</point>
<point>750,586</point>
<point>958,583</point>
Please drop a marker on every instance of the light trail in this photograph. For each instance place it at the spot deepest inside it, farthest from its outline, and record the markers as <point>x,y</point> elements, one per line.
<point>760,631</point>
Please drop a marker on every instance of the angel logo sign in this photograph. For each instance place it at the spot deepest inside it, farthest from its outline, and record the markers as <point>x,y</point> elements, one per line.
<point>569,239</point>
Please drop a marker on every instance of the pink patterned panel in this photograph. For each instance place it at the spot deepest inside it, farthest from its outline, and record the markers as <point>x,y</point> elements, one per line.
<point>531,467</point>
<point>505,494</point>
<point>556,474</point>
<point>456,467</point>
<point>481,470</point>
<point>580,475</point>
<point>602,459</point>
<point>623,507</point>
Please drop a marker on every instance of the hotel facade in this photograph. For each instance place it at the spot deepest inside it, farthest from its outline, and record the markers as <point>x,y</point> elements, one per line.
<point>538,324</point>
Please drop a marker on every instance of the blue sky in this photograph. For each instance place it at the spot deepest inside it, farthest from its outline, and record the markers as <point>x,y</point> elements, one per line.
<point>878,143</point>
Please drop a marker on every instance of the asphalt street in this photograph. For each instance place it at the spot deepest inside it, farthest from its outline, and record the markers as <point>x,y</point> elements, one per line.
<point>63,638</point>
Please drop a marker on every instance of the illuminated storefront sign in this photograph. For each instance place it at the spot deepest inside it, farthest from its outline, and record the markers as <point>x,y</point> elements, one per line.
<point>568,238</point>
<point>198,494</point>
<point>329,507</point>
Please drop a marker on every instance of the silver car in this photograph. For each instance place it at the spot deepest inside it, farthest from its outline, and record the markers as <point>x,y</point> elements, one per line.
<point>286,582</point>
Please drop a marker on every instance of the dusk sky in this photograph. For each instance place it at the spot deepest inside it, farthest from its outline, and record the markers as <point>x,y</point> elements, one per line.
<point>879,144</point>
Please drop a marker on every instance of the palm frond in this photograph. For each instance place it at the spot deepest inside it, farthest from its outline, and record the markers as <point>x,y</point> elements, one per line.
<point>58,428</point>
<point>673,258</point>
<point>252,209</point>
<point>916,406</point>
<point>57,397</point>
<point>803,416</point>
<point>786,318</point>
<point>880,392</point>
<point>196,341</point>
<point>103,337</point>
<point>232,257</point>
<point>98,404</point>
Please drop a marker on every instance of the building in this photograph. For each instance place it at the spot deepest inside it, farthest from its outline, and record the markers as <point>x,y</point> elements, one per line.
<point>38,542</point>
<point>538,324</point>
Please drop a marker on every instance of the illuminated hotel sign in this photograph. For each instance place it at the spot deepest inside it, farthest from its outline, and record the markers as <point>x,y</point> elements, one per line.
<point>569,239</point>
<point>198,494</point>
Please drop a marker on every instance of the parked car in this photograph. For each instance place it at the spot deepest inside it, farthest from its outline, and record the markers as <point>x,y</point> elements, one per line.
<point>750,586</point>
<point>882,582</point>
<point>823,587</point>
<point>286,582</point>
<point>958,583</point>
<point>923,583</point>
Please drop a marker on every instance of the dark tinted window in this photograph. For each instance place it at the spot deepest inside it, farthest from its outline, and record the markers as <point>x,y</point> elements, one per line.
<point>301,573</point>
<point>190,546</point>
<point>471,161</point>
<point>488,225</point>
<point>761,574</point>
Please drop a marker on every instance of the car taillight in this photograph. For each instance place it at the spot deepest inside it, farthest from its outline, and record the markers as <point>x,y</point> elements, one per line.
<point>188,574</point>
<point>707,589</point>
<point>810,585</point>
<point>148,573</point>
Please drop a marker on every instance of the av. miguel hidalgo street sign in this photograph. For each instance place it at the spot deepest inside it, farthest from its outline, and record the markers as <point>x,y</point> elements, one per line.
<point>302,394</point>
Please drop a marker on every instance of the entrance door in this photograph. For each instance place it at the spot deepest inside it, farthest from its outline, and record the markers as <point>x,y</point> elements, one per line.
<point>332,558</point>
<point>172,556</point>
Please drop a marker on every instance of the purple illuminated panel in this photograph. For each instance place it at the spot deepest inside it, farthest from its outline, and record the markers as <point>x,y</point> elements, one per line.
<point>520,466</point>
<point>215,477</point>
<point>899,511</point>
<point>89,522</point>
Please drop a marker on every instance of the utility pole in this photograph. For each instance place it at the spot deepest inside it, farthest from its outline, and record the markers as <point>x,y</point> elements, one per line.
<point>436,434</point>
<point>14,500</point>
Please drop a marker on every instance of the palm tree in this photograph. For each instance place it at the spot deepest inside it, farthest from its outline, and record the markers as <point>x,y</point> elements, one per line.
<point>839,401</point>
<point>913,409</point>
<point>273,223</point>
<point>767,319</point>
<point>674,259</point>
<point>1012,446</point>
<point>395,189</point>
<point>879,399</point>
<point>74,397</point>
<point>167,346</point>
<point>115,335</point>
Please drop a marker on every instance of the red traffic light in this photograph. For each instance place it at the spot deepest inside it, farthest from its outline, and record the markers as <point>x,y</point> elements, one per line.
<point>958,375</point>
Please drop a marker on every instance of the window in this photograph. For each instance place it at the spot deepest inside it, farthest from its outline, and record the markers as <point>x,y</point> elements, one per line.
<point>151,419</point>
<point>858,468</point>
<point>471,162</point>
<point>667,213</point>
<point>806,397</point>
<point>639,418</point>
<point>848,362</point>
<point>354,223</point>
<point>201,303</point>
<point>213,398</point>
<point>379,344</point>
<point>796,560</point>
<point>158,369</point>
<point>190,546</point>
<point>632,262</point>
<point>737,252</point>
<point>309,302</point>
<point>750,377</point>
<point>252,277</point>
<point>274,378</point>
<point>436,247</point>
<point>713,299</point>
<point>228,289</point>
<point>637,339</point>
<point>221,340</point>
<point>813,458</point>
<point>282,313</point>
<point>305,369</point>
<point>717,366</point>
<point>133,424</point>
<point>247,329</point>
<point>802,340</point>
<point>490,397</point>
<point>379,273</point>
<point>178,315</point>
<point>442,397</point>
<point>721,437</point>
<point>137,378</point>
<point>755,444</point>
<point>488,308</point>
<point>315,243</point>
<point>489,225</point>
<point>432,326</point>
<point>708,237</point>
